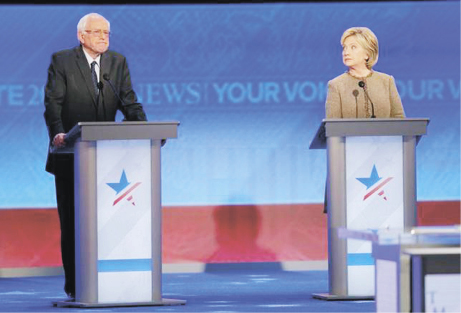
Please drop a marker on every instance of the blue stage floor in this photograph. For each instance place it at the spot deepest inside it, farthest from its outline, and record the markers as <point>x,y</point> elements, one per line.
<point>216,291</point>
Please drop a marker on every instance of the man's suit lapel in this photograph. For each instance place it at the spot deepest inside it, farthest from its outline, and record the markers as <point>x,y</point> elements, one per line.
<point>86,73</point>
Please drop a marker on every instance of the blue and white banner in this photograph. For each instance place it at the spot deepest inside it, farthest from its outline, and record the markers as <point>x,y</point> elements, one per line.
<point>124,221</point>
<point>247,82</point>
<point>374,191</point>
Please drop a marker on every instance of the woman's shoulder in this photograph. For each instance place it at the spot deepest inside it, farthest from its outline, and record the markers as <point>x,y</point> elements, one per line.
<point>383,76</point>
<point>339,79</point>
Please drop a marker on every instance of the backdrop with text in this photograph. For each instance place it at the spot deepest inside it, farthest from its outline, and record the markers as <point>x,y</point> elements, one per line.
<point>248,84</point>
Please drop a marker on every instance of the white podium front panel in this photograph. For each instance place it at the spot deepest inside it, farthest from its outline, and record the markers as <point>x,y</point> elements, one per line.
<point>124,220</point>
<point>386,277</point>
<point>442,292</point>
<point>374,198</point>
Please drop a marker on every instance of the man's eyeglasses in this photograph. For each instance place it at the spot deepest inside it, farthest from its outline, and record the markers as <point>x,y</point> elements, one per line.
<point>99,32</point>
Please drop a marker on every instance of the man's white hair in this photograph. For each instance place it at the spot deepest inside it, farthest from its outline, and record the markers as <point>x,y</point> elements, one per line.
<point>84,20</point>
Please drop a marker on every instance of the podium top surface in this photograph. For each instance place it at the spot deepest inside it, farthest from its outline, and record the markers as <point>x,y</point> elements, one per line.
<point>368,127</point>
<point>421,235</point>
<point>93,131</point>
<point>90,131</point>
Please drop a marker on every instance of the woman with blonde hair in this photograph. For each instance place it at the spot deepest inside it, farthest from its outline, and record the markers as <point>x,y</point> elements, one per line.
<point>362,92</point>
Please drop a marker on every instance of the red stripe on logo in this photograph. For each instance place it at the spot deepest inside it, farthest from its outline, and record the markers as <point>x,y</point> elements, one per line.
<point>125,193</point>
<point>376,188</point>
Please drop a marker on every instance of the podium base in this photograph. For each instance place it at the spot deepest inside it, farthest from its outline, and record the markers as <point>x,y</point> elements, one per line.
<point>74,304</point>
<point>331,297</point>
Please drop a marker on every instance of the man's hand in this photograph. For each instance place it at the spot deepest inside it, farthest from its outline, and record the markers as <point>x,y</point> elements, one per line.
<point>58,140</point>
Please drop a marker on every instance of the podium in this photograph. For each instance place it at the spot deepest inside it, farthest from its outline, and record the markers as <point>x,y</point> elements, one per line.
<point>118,213</point>
<point>416,270</point>
<point>371,184</point>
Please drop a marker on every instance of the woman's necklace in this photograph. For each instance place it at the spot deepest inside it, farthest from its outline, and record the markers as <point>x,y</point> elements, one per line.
<point>360,77</point>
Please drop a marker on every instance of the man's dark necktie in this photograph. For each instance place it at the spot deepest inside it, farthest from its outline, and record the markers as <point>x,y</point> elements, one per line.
<point>95,78</point>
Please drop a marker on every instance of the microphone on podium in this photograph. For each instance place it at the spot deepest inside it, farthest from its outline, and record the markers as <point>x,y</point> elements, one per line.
<point>107,78</point>
<point>355,93</point>
<point>100,85</point>
<point>363,86</point>
<point>139,116</point>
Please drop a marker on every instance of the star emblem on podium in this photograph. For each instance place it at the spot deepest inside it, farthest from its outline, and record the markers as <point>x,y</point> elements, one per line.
<point>124,188</point>
<point>375,183</point>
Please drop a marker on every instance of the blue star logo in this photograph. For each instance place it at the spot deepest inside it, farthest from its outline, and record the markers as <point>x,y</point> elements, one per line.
<point>122,184</point>
<point>373,179</point>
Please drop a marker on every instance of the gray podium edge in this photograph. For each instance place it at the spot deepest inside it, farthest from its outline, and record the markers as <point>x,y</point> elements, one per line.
<point>81,141</point>
<point>331,136</point>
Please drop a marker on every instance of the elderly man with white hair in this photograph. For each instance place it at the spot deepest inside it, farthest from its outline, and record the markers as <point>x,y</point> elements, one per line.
<point>85,84</point>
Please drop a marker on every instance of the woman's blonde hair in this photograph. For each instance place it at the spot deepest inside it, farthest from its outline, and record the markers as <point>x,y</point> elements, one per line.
<point>367,39</point>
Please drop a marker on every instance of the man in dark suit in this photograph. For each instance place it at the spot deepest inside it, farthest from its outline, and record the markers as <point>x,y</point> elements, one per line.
<point>79,89</point>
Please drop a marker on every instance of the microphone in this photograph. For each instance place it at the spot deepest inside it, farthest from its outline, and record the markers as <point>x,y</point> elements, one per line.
<point>124,105</point>
<point>363,86</point>
<point>355,93</point>
<point>107,78</point>
<point>100,96</point>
